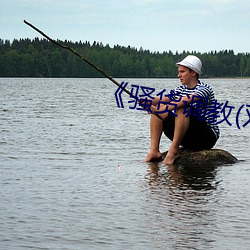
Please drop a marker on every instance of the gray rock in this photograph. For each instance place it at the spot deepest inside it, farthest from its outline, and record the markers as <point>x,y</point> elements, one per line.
<point>204,157</point>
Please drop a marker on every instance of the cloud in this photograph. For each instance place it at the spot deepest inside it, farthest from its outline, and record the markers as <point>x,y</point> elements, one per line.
<point>221,2</point>
<point>83,6</point>
<point>148,2</point>
<point>225,5</point>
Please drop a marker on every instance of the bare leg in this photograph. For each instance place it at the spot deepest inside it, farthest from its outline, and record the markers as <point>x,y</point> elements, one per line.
<point>181,127</point>
<point>155,136</point>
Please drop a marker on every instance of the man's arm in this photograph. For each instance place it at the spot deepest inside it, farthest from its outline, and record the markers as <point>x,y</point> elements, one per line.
<point>172,105</point>
<point>156,100</point>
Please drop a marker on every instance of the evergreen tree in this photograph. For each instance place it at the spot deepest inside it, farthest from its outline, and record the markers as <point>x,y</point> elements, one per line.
<point>41,58</point>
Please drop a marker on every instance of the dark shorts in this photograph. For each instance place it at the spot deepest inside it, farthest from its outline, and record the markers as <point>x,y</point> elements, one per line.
<point>199,136</point>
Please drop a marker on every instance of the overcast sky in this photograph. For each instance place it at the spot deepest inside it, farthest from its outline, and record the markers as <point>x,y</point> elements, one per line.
<point>157,25</point>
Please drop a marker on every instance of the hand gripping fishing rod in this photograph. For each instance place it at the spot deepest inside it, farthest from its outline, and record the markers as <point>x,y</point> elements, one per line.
<point>83,58</point>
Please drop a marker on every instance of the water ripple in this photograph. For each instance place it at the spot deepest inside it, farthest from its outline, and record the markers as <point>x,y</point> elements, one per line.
<point>72,173</point>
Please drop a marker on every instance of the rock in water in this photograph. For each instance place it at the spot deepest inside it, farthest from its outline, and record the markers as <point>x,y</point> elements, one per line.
<point>204,157</point>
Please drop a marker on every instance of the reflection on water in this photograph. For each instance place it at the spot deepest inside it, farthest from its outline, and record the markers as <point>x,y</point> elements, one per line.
<point>194,206</point>
<point>184,194</point>
<point>189,177</point>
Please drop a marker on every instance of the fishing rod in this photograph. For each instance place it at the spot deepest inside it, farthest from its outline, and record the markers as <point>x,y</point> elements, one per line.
<point>84,59</point>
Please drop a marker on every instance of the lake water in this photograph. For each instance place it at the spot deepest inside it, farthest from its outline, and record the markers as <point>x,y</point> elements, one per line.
<point>72,174</point>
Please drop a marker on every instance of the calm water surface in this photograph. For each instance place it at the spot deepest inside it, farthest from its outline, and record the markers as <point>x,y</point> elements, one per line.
<point>72,175</point>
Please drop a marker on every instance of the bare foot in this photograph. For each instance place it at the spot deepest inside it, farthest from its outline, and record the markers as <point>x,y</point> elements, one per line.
<point>153,156</point>
<point>170,157</point>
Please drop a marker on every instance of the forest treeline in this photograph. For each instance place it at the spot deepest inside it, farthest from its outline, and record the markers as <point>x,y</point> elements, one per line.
<point>41,58</point>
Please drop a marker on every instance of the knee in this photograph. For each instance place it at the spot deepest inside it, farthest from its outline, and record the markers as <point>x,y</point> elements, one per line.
<point>155,120</point>
<point>180,111</point>
<point>182,114</point>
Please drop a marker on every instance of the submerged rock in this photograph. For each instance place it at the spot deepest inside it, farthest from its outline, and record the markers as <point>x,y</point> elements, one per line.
<point>204,157</point>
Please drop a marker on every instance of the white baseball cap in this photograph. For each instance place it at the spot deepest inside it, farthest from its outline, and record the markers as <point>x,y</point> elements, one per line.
<point>191,62</point>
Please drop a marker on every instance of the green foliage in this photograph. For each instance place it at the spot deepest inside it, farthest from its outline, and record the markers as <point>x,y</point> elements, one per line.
<point>41,58</point>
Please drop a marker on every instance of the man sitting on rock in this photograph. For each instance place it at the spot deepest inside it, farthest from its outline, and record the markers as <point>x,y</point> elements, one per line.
<point>188,114</point>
